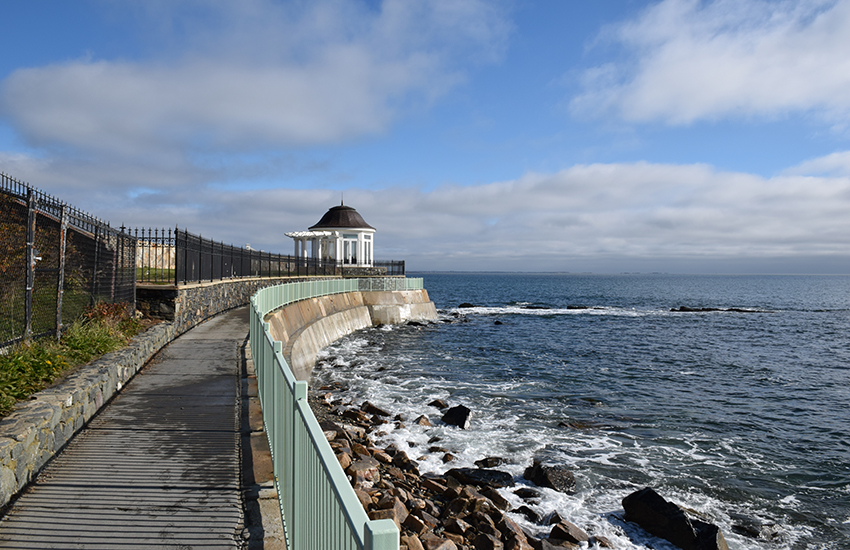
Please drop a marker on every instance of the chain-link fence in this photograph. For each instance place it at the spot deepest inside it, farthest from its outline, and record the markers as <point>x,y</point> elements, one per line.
<point>55,261</point>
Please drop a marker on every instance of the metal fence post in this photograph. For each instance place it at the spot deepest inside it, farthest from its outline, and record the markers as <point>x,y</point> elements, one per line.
<point>94,281</point>
<point>60,284</point>
<point>32,203</point>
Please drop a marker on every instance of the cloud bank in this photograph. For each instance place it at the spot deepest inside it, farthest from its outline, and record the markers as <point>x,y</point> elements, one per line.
<point>597,217</point>
<point>689,60</point>
<point>257,75</point>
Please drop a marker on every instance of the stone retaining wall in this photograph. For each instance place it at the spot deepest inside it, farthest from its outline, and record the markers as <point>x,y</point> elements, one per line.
<point>307,326</point>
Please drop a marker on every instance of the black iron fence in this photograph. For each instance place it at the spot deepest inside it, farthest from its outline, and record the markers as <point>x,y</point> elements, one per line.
<point>55,261</point>
<point>394,268</point>
<point>166,256</point>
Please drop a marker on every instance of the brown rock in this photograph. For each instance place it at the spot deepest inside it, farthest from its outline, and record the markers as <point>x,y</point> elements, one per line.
<point>556,544</point>
<point>364,498</point>
<point>398,506</point>
<point>509,527</point>
<point>515,543</point>
<point>382,457</point>
<point>455,538</point>
<point>427,518</point>
<point>372,409</point>
<point>497,499</point>
<point>344,460</point>
<point>360,450</point>
<point>432,542</point>
<point>457,525</point>
<point>364,471</point>
<point>357,415</point>
<point>415,524</point>
<point>390,513</point>
<point>412,542</point>
<point>422,420</point>
<point>569,532</point>
<point>434,486</point>
<point>485,541</point>
<point>601,542</point>
<point>448,457</point>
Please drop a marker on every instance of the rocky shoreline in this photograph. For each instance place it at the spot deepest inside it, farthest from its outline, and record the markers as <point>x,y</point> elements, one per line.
<point>463,509</point>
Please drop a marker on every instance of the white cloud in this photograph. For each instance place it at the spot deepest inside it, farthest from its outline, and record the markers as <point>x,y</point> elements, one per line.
<point>588,217</point>
<point>688,60</point>
<point>256,75</point>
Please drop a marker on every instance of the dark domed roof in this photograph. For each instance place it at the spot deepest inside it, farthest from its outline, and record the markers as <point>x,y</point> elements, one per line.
<point>342,217</point>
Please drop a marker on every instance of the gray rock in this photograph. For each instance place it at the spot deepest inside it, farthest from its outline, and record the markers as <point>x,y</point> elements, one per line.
<point>457,416</point>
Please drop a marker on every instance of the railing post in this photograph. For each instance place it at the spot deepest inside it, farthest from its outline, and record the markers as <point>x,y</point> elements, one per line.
<point>381,534</point>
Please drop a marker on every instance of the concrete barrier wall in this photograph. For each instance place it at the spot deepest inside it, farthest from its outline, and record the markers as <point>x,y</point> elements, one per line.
<point>308,326</point>
<point>39,428</point>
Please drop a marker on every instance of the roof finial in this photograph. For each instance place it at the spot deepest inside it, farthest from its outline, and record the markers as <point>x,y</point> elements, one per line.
<point>342,198</point>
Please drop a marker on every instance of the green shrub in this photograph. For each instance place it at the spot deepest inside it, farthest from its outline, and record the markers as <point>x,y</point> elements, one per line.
<point>31,366</point>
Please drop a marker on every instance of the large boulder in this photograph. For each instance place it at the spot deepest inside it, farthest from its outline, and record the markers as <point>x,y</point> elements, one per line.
<point>482,477</point>
<point>668,521</point>
<point>458,416</point>
<point>554,477</point>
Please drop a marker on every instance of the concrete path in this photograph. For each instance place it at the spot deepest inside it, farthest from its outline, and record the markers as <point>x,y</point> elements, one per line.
<point>159,467</point>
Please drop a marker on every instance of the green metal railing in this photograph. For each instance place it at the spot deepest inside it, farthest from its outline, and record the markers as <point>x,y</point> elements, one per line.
<point>319,508</point>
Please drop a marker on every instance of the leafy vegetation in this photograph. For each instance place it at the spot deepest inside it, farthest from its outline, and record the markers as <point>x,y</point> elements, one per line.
<point>32,366</point>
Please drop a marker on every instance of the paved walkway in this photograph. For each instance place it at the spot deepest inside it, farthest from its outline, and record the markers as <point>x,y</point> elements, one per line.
<point>158,467</point>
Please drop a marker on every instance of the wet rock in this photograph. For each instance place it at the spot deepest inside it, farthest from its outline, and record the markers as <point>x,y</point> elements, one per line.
<point>556,544</point>
<point>457,416</point>
<point>529,514</point>
<point>569,532</point>
<point>601,542</point>
<point>482,477</point>
<point>422,420</point>
<point>527,493</point>
<point>490,462</point>
<point>554,477</point>
<point>668,521</point>
<point>439,403</point>
<point>372,409</point>
<point>497,322</point>
<point>497,499</point>
<point>465,305</point>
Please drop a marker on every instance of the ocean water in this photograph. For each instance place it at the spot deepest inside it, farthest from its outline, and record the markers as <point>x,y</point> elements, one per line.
<point>743,416</point>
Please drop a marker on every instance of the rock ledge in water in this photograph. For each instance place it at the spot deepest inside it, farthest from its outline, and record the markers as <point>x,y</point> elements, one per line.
<point>664,519</point>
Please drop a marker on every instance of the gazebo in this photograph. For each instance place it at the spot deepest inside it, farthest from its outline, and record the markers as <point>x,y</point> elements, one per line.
<point>342,235</point>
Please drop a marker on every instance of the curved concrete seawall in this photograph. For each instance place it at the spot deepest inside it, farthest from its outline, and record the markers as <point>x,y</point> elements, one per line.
<point>308,326</point>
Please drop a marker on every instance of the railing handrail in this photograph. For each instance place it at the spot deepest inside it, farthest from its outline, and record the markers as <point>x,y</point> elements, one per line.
<point>289,420</point>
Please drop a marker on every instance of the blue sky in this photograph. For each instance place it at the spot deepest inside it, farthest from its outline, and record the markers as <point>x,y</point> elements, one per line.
<point>610,136</point>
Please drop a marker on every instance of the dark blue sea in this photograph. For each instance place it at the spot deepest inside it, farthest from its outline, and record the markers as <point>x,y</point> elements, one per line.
<point>740,412</point>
